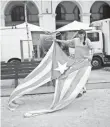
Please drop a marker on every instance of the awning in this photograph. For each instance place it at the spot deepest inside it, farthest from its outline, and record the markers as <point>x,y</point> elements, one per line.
<point>31,27</point>
<point>74,26</point>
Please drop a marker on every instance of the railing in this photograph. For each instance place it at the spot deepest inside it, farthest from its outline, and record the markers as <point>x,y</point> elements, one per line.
<point>17,70</point>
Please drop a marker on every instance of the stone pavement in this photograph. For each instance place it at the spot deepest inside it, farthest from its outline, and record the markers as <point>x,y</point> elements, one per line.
<point>91,110</point>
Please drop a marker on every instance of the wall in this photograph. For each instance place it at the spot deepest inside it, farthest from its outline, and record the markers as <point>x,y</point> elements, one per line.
<point>45,11</point>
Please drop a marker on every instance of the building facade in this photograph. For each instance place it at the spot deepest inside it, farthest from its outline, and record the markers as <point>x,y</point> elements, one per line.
<point>53,14</point>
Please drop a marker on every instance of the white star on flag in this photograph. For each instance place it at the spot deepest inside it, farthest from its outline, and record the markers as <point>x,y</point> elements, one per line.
<point>61,67</point>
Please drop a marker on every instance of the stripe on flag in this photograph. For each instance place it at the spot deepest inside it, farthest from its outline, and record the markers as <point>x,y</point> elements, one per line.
<point>38,77</point>
<point>61,103</point>
<point>33,85</point>
<point>67,85</point>
<point>68,98</point>
<point>42,64</point>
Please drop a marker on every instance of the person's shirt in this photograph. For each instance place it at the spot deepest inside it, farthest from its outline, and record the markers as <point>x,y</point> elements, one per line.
<point>78,50</point>
<point>76,42</point>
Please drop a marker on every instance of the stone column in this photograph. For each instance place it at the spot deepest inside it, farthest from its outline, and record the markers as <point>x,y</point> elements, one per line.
<point>85,17</point>
<point>2,22</point>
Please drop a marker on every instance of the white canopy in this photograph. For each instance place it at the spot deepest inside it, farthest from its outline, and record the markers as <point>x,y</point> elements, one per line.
<point>5,27</point>
<point>31,27</point>
<point>74,26</point>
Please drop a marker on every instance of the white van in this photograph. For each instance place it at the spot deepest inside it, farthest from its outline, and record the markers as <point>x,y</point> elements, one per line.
<point>12,49</point>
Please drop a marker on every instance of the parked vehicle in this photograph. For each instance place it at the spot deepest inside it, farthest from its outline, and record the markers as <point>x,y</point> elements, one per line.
<point>12,50</point>
<point>100,38</point>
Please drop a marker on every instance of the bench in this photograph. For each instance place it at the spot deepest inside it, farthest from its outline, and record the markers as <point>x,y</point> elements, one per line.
<point>17,70</point>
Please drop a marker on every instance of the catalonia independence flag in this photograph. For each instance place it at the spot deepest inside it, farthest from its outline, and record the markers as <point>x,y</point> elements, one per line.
<point>70,77</point>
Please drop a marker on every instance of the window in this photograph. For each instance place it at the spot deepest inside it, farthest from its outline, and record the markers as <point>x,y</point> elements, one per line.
<point>93,36</point>
<point>60,11</point>
<point>76,13</point>
<point>100,10</point>
<point>17,13</point>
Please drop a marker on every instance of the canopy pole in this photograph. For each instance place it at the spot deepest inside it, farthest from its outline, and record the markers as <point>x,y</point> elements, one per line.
<point>27,30</point>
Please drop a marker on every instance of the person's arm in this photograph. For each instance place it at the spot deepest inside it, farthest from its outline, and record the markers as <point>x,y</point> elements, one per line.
<point>69,43</point>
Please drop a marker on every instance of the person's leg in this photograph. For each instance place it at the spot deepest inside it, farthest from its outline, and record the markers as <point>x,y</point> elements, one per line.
<point>80,94</point>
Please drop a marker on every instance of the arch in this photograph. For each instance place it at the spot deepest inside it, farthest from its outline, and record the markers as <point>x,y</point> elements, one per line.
<point>102,11</point>
<point>71,13</point>
<point>19,18</point>
<point>92,2</point>
<point>63,8</point>
<point>7,3</point>
<point>17,13</point>
<point>60,15</point>
<point>74,2</point>
<point>74,11</point>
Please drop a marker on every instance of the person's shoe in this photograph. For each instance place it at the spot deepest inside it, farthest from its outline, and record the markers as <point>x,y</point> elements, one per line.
<point>79,95</point>
<point>84,91</point>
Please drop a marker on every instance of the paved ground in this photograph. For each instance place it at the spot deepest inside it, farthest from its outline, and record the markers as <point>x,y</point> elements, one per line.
<point>91,110</point>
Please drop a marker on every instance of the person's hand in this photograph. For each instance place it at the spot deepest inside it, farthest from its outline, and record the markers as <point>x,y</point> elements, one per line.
<point>47,32</point>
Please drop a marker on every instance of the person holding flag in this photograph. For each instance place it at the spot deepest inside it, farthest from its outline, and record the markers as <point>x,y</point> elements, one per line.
<point>70,75</point>
<point>83,48</point>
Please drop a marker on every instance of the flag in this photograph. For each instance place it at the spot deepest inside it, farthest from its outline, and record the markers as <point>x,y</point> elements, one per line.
<point>70,77</point>
<point>67,87</point>
<point>43,73</point>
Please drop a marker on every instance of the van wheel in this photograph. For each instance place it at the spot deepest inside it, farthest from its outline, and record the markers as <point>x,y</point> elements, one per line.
<point>14,61</point>
<point>96,63</point>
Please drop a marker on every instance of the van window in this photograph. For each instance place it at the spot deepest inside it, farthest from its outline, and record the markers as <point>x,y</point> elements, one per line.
<point>93,36</point>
